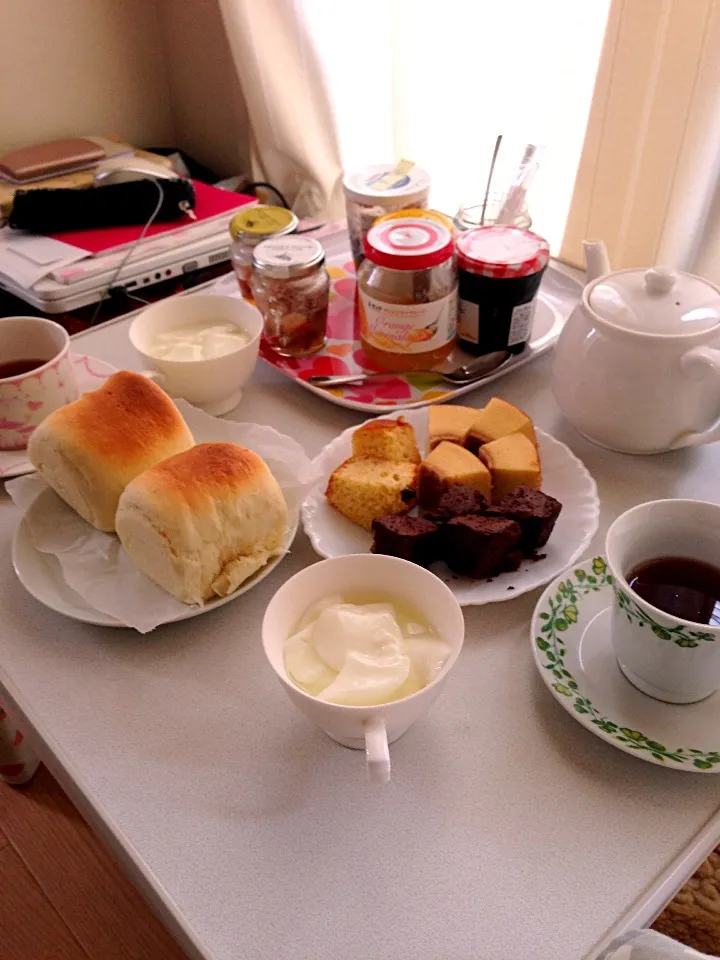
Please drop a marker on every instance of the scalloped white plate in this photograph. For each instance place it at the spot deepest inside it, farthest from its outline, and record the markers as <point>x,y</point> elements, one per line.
<point>42,577</point>
<point>564,477</point>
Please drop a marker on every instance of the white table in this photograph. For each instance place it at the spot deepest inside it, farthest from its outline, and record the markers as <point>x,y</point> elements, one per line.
<point>508,831</point>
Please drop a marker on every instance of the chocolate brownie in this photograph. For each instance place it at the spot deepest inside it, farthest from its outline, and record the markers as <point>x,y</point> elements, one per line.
<point>459,501</point>
<point>535,511</point>
<point>410,538</point>
<point>481,546</point>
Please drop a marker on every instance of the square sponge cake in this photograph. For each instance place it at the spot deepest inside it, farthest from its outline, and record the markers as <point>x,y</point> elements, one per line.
<point>382,439</point>
<point>89,450</point>
<point>202,522</point>
<point>362,489</point>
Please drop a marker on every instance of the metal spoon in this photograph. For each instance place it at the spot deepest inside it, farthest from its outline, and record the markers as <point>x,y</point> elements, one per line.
<point>467,373</point>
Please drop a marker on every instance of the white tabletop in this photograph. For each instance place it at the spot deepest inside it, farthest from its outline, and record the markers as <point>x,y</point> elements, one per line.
<point>508,831</point>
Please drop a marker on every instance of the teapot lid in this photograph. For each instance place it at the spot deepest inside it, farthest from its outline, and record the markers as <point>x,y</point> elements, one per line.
<point>657,300</point>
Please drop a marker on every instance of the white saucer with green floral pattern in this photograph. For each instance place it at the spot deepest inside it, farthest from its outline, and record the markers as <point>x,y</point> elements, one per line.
<point>571,643</point>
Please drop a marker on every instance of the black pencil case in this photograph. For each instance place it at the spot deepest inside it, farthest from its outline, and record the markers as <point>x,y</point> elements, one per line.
<point>114,205</point>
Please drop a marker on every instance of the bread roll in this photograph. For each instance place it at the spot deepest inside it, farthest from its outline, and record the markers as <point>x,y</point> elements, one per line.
<point>89,450</point>
<point>202,522</point>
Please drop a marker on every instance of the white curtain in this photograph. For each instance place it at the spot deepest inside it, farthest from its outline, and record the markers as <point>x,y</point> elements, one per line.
<point>436,82</point>
<point>648,181</point>
<point>331,83</point>
<point>294,144</point>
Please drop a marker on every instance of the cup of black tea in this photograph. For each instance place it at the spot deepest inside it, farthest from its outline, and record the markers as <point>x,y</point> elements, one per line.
<point>36,376</point>
<point>665,560</point>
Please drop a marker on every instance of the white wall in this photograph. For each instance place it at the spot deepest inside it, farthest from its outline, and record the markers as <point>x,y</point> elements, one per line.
<point>83,66</point>
<point>208,106</point>
<point>155,72</point>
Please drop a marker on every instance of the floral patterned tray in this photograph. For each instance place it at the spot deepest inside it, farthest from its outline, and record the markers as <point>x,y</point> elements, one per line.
<point>342,353</point>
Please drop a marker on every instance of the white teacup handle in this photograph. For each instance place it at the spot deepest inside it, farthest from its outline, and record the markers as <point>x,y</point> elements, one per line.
<point>698,363</point>
<point>377,754</point>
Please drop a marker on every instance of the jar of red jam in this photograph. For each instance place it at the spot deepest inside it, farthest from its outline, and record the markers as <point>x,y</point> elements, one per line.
<point>407,289</point>
<point>499,274</point>
<point>291,288</point>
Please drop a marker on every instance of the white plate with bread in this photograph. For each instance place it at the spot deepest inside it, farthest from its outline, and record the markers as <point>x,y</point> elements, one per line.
<point>147,511</point>
<point>494,506</point>
<point>43,578</point>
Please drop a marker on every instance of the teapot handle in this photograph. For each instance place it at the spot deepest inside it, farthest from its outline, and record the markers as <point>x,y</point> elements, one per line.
<point>698,363</point>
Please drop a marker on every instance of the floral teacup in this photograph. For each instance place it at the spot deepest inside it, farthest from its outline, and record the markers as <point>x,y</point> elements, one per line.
<point>669,658</point>
<point>29,395</point>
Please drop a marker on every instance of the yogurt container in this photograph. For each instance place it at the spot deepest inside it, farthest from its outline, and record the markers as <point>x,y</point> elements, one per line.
<point>374,190</point>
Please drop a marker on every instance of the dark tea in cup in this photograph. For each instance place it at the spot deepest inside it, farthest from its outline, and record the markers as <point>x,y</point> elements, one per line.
<point>14,368</point>
<point>684,588</point>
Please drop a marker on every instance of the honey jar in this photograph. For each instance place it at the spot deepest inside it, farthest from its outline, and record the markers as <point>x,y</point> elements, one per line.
<point>250,227</point>
<point>291,288</point>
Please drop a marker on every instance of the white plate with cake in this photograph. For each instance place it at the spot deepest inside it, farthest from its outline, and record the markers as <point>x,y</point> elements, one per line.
<point>492,505</point>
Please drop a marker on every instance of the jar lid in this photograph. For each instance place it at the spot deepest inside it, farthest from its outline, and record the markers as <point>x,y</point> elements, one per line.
<point>287,256</point>
<point>657,300</point>
<point>420,214</point>
<point>369,186</point>
<point>262,221</point>
<point>502,252</point>
<point>408,243</point>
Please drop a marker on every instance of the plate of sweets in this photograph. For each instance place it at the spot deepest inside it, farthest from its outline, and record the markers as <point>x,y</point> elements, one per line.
<point>492,505</point>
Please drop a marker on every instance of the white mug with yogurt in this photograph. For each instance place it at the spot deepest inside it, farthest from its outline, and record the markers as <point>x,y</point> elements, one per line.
<point>202,348</point>
<point>369,728</point>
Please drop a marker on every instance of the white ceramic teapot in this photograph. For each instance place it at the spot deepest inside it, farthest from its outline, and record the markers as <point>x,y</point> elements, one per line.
<point>637,365</point>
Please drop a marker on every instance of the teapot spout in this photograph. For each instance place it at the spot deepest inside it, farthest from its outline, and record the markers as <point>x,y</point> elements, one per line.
<point>597,262</point>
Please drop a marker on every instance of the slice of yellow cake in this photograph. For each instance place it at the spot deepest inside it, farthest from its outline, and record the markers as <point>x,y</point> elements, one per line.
<point>447,466</point>
<point>363,489</point>
<point>498,419</point>
<point>513,462</point>
<point>386,440</point>
<point>448,422</point>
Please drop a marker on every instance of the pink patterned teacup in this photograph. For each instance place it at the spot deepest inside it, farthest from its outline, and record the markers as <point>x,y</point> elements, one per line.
<point>27,396</point>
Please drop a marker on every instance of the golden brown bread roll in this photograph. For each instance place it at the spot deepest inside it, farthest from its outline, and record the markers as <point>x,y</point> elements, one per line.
<point>202,522</point>
<point>89,450</point>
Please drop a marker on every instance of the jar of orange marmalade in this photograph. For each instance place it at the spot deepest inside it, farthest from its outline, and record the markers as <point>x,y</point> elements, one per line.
<point>407,289</point>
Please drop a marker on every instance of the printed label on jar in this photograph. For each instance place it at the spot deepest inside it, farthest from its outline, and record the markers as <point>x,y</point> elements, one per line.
<point>468,322</point>
<point>408,328</point>
<point>521,323</point>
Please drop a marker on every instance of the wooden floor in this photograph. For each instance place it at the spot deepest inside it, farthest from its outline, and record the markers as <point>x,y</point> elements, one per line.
<point>61,895</point>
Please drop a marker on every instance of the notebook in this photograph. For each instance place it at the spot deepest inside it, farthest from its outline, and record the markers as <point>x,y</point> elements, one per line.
<point>211,203</point>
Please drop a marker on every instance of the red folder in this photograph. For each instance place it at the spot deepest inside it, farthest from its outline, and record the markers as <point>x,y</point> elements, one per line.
<point>210,203</point>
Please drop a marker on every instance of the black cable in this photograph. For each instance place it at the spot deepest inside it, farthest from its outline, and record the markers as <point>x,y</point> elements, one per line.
<point>249,187</point>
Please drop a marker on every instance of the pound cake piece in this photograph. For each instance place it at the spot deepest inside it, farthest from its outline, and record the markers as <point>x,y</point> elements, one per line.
<point>202,522</point>
<point>448,422</point>
<point>386,440</point>
<point>410,538</point>
<point>363,489</point>
<point>446,466</point>
<point>90,450</point>
<point>481,546</point>
<point>513,462</point>
<point>458,501</point>
<point>535,511</point>
<point>498,419</point>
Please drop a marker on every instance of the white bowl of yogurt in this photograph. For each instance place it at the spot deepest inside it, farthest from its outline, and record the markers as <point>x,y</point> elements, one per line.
<point>201,347</point>
<point>363,645</point>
